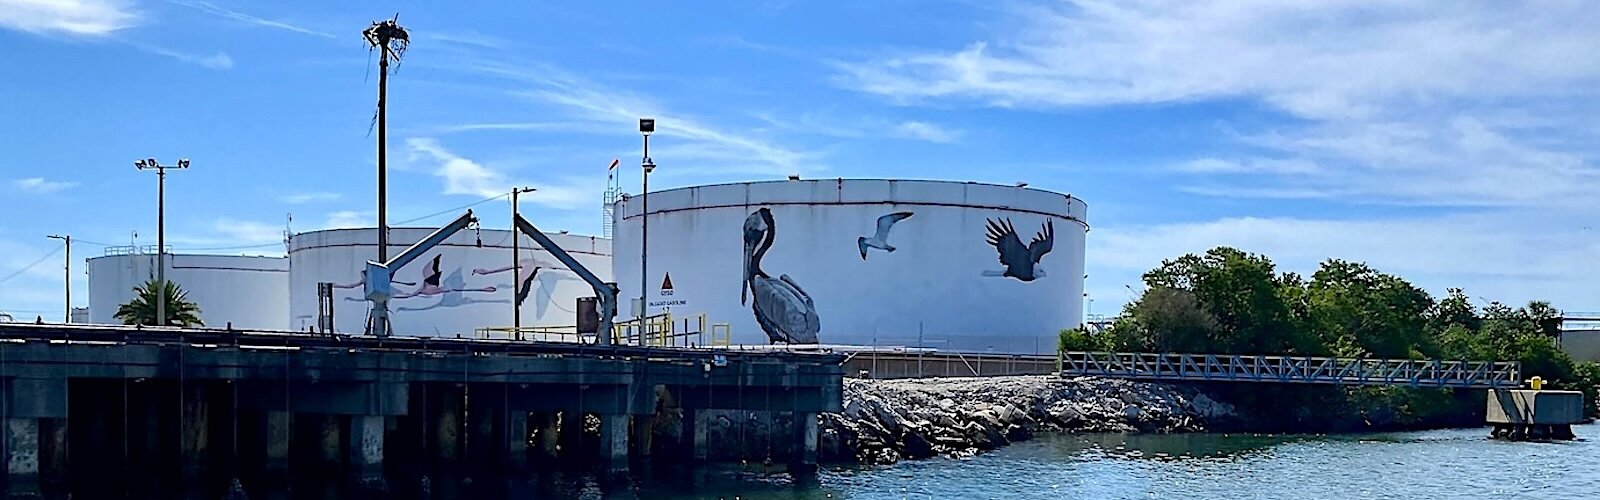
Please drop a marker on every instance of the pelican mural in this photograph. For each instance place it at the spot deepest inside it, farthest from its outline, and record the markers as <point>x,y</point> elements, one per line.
<point>782,309</point>
<point>880,239</point>
<point>1022,262</point>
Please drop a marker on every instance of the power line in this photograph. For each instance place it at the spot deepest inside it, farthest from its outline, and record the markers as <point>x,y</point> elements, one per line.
<point>31,265</point>
<point>448,210</point>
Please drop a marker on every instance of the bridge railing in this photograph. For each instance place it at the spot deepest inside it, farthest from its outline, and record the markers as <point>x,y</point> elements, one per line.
<point>1293,369</point>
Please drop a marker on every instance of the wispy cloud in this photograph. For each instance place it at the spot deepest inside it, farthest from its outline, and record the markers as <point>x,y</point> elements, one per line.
<point>88,18</point>
<point>41,185</point>
<point>720,148</point>
<point>214,9</point>
<point>309,197</point>
<point>468,38</point>
<point>467,177</point>
<point>1482,104</point>
<point>247,231</point>
<point>217,61</point>
<point>347,219</point>
<point>927,132</point>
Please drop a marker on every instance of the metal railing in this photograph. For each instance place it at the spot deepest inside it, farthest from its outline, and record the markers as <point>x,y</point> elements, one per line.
<point>1293,369</point>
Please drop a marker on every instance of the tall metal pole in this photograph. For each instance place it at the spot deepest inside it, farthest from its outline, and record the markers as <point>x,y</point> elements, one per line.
<point>161,230</point>
<point>383,154</point>
<point>66,282</point>
<point>644,237</point>
<point>516,265</point>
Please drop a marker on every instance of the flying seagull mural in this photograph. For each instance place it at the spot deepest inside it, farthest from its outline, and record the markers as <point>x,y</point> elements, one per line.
<point>880,239</point>
<point>784,310</point>
<point>1021,262</point>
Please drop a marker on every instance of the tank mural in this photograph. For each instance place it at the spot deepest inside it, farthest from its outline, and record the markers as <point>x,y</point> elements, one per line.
<point>887,263</point>
<point>453,290</point>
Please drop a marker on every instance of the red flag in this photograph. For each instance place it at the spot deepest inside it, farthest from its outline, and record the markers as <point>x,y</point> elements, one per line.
<point>614,162</point>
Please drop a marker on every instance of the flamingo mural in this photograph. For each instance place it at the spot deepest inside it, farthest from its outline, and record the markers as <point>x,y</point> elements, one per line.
<point>782,309</point>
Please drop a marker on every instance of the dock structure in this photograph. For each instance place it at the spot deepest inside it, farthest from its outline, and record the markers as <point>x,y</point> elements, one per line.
<point>1293,369</point>
<point>203,408</point>
<point>1533,414</point>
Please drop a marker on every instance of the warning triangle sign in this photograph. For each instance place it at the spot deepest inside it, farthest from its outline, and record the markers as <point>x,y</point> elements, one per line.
<point>666,283</point>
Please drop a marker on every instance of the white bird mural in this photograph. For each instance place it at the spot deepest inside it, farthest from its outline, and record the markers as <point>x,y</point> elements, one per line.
<point>783,310</point>
<point>880,239</point>
<point>1022,262</point>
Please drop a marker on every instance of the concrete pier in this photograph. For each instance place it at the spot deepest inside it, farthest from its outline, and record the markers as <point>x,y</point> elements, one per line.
<point>158,409</point>
<point>1520,415</point>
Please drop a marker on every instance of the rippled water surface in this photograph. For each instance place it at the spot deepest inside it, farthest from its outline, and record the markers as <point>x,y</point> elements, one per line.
<point>1461,463</point>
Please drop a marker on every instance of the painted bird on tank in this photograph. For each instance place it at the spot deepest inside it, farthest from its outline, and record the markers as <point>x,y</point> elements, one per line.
<point>880,239</point>
<point>784,310</point>
<point>1022,262</point>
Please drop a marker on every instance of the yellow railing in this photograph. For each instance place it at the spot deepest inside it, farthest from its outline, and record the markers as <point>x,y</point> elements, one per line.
<point>661,330</point>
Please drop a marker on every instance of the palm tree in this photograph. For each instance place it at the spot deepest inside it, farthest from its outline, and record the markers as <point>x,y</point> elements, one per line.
<point>141,310</point>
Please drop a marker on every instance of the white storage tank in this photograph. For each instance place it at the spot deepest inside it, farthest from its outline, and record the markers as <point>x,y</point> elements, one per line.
<point>249,292</point>
<point>946,265</point>
<point>453,289</point>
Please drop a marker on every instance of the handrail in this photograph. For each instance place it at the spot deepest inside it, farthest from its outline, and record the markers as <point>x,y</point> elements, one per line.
<point>1293,369</point>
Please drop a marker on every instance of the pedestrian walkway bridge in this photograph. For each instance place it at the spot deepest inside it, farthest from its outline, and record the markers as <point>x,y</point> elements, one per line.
<point>1292,369</point>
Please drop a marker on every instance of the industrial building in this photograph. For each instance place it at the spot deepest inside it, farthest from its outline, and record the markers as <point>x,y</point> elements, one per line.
<point>956,266</point>
<point>458,287</point>
<point>247,292</point>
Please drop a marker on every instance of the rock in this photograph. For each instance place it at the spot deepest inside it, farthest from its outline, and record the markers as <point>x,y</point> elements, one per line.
<point>1131,413</point>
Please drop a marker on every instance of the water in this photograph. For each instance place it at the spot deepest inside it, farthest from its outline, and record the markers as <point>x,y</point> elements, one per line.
<point>1459,463</point>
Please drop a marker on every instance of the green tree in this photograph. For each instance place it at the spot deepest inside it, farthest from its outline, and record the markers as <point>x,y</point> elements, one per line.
<point>1243,294</point>
<point>1368,313</point>
<point>141,310</point>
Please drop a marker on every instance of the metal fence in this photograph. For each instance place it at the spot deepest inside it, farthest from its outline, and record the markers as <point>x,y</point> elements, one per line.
<point>1293,369</point>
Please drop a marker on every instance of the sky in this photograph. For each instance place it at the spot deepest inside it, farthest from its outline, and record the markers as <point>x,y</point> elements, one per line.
<point>1451,143</point>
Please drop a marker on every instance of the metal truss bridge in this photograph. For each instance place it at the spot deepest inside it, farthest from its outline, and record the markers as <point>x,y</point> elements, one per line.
<point>1293,369</point>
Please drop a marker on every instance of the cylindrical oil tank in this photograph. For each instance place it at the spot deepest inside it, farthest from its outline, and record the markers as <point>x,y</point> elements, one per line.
<point>452,289</point>
<point>955,266</point>
<point>248,292</point>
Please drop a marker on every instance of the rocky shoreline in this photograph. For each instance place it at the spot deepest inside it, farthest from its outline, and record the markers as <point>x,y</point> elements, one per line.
<point>885,421</point>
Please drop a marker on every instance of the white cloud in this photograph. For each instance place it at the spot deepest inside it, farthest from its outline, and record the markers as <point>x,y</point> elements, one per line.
<point>348,219</point>
<point>41,185</point>
<point>465,176</point>
<point>1508,257</point>
<point>215,10</point>
<point>246,232</point>
<point>309,197</point>
<point>926,132</point>
<point>218,61</point>
<point>90,18</point>
<point>1390,102</point>
<point>717,148</point>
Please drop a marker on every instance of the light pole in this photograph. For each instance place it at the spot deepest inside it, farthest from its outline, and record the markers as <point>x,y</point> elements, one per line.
<point>516,265</point>
<point>66,279</point>
<point>161,230</point>
<point>647,126</point>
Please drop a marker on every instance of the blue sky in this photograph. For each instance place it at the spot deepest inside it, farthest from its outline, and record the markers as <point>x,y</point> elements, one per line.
<point>1453,143</point>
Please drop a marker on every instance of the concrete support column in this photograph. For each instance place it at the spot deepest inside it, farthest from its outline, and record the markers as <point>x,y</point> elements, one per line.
<point>549,435</point>
<point>805,443</point>
<point>614,441</point>
<point>698,434</point>
<point>278,433</point>
<point>643,434</point>
<point>447,426</point>
<point>194,425</point>
<point>328,442</point>
<point>516,446</point>
<point>366,448</point>
<point>53,452</point>
<point>572,442</point>
<point>22,457</point>
<point>483,446</point>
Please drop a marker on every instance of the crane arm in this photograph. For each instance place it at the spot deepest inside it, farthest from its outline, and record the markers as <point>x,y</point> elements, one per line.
<point>378,286</point>
<point>416,250</point>
<point>605,293</point>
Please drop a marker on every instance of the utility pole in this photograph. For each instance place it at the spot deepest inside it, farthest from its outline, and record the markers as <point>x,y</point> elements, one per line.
<point>391,41</point>
<point>161,230</point>
<point>647,126</point>
<point>66,282</point>
<point>516,265</point>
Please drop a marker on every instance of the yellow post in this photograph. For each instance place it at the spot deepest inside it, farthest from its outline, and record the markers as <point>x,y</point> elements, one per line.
<point>1536,382</point>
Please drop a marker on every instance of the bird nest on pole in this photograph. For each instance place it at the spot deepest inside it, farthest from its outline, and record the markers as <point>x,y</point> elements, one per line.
<point>389,36</point>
